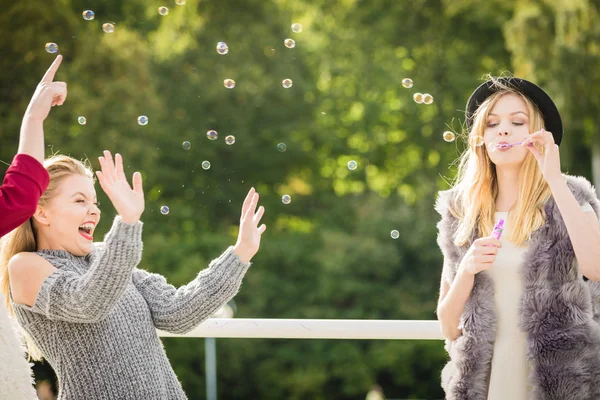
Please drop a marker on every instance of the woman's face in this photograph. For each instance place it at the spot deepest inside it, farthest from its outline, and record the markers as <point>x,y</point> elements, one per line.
<point>508,122</point>
<point>68,221</point>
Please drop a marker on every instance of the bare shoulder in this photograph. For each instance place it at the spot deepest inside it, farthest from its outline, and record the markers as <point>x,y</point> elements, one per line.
<point>27,272</point>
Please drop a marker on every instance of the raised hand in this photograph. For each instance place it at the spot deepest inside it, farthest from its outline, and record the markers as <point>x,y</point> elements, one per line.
<point>128,202</point>
<point>548,158</point>
<point>250,233</point>
<point>47,94</point>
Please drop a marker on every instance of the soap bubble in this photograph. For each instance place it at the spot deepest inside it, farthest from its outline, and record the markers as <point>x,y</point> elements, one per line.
<point>281,147</point>
<point>296,28</point>
<point>180,2</point>
<point>427,98</point>
<point>395,234</point>
<point>478,140</point>
<point>51,48</point>
<point>222,48</point>
<point>286,199</point>
<point>108,27</point>
<point>418,98</point>
<point>205,164</point>
<point>164,210</point>
<point>407,83</point>
<point>286,83</point>
<point>230,139</point>
<point>352,165</point>
<point>212,135</point>
<point>88,15</point>
<point>289,43</point>
<point>143,120</point>
<point>82,120</point>
<point>229,83</point>
<point>163,10</point>
<point>186,145</point>
<point>449,136</point>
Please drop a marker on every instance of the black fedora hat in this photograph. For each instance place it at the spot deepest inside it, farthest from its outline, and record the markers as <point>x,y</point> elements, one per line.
<point>552,120</point>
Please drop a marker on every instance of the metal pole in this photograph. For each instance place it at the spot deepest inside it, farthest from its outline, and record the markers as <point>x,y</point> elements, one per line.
<point>210,359</point>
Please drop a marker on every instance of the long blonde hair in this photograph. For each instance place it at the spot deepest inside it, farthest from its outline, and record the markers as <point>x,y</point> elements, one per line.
<point>23,238</point>
<point>477,185</point>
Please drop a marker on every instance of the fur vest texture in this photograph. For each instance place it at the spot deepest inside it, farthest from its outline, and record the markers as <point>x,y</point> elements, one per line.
<point>16,382</point>
<point>559,313</point>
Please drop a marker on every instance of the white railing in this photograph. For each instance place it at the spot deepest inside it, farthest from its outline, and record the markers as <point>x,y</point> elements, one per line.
<point>314,329</point>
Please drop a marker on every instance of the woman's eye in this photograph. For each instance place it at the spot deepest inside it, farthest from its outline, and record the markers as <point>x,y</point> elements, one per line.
<point>518,123</point>
<point>492,124</point>
<point>80,201</point>
<point>97,204</point>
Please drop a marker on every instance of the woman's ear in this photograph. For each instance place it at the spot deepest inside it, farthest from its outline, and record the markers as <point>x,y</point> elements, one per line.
<point>41,216</point>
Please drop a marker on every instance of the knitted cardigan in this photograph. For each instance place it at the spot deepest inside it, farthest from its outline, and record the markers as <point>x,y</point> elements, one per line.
<point>559,312</point>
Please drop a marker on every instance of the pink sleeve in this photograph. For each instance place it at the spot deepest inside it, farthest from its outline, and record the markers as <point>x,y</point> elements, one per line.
<point>24,182</point>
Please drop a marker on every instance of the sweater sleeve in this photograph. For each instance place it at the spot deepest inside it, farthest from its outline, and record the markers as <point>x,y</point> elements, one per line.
<point>179,310</point>
<point>88,298</point>
<point>24,182</point>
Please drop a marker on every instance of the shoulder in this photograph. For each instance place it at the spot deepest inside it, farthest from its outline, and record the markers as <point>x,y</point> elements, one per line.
<point>446,200</point>
<point>27,271</point>
<point>582,188</point>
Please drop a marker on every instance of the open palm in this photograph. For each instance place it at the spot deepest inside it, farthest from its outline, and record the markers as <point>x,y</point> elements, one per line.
<point>128,202</point>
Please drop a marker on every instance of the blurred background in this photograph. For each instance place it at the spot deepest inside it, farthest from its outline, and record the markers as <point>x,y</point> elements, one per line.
<point>347,142</point>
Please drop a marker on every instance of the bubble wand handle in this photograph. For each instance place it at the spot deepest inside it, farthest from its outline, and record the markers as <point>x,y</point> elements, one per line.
<point>497,232</point>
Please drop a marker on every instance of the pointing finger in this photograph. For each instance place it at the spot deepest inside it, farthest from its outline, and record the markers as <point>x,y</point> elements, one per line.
<point>49,75</point>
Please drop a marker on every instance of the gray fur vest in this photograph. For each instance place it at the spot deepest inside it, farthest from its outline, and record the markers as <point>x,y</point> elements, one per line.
<point>559,313</point>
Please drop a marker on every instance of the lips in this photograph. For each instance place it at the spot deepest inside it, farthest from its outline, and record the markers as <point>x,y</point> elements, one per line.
<point>87,229</point>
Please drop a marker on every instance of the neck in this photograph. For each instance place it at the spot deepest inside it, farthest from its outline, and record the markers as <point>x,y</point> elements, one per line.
<point>508,187</point>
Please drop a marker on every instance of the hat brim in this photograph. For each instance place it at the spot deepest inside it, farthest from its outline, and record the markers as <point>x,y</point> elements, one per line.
<point>552,119</point>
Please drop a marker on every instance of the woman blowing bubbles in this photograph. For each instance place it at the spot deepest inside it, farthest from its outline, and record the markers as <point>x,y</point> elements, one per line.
<point>517,314</point>
<point>87,308</point>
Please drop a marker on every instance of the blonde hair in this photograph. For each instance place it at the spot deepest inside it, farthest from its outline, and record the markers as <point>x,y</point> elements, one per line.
<point>23,238</point>
<point>477,185</point>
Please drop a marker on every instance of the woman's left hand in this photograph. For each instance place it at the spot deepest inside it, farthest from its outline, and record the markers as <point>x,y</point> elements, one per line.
<point>548,159</point>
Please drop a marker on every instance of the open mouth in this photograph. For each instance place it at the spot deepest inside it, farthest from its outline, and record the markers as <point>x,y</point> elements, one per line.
<point>86,230</point>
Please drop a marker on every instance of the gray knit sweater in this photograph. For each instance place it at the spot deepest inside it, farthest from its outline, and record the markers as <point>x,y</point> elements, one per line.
<point>95,317</point>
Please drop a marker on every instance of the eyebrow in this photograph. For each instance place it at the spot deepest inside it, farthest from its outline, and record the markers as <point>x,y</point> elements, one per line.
<point>513,113</point>
<point>81,193</point>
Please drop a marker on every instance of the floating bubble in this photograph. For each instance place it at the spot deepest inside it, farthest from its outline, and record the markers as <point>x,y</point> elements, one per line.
<point>51,48</point>
<point>229,83</point>
<point>395,234</point>
<point>286,199</point>
<point>352,165</point>
<point>281,147</point>
<point>296,28</point>
<point>287,83</point>
<point>222,48</point>
<point>449,136</point>
<point>427,98</point>
<point>82,120</point>
<point>230,139</point>
<point>478,140</point>
<point>289,43</point>
<point>88,15</point>
<point>212,135</point>
<point>163,10</point>
<point>108,27</point>
<point>418,98</point>
<point>143,120</point>
<point>186,145</point>
<point>164,210</point>
<point>205,164</point>
<point>180,2</point>
<point>407,83</point>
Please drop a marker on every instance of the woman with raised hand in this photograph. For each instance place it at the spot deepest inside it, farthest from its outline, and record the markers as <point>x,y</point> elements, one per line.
<point>24,182</point>
<point>87,308</point>
<point>520,320</point>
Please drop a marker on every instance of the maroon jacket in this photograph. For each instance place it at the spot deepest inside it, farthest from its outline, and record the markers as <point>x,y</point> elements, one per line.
<point>24,182</point>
